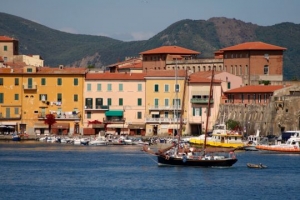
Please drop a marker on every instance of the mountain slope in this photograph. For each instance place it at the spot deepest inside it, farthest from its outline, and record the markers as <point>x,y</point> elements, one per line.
<point>58,47</point>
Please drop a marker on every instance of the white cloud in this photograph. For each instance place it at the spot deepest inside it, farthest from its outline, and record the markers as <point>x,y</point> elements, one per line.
<point>141,35</point>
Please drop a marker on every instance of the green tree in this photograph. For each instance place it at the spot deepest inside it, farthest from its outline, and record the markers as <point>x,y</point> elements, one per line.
<point>233,125</point>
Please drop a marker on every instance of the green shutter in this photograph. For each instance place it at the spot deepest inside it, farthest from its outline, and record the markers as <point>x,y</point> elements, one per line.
<point>75,81</point>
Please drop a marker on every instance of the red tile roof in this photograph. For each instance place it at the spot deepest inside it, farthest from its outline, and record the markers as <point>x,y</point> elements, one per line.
<point>255,89</point>
<point>5,38</point>
<point>114,76</point>
<point>253,46</point>
<point>165,73</point>
<point>170,50</point>
<point>202,77</point>
<point>45,70</point>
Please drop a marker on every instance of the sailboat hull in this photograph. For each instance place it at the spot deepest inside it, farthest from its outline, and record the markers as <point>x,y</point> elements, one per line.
<point>196,163</point>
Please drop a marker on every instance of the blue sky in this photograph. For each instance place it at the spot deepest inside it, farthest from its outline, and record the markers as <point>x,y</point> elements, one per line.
<point>131,20</point>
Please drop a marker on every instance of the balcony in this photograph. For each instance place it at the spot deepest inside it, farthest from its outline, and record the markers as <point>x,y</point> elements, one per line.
<point>14,117</point>
<point>165,107</point>
<point>98,107</point>
<point>114,120</point>
<point>201,101</point>
<point>164,120</point>
<point>64,117</point>
<point>29,87</point>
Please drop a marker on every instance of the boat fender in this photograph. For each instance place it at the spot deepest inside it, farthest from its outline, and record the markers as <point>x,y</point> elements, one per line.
<point>167,157</point>
<point>184,158</point>
<point>295,147</point>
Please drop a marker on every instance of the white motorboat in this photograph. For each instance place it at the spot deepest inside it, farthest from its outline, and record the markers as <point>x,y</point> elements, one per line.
<point>98,141</point>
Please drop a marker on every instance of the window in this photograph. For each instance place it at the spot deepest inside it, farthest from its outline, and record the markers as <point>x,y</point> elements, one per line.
<point>197,111</point>
<point>16,81</point>
<point>242,98</point>
<point>109,87</point>
<point>29,83</point>
<point>16,111</point>
<point>99,87</point>
<point>120,101</point>
<point>59,81</point>
<point>120,87</point>
<point>231,69</point>
<point>88,115</point>
<point>156,88</point>
<point>89,87</point>
<point>176,102</point>
<point>88,103</point>
<point>75,81</point>
<point>166,102</point>
<point>1,98</point>
<point>99,103</point>
<point>246,70</point>
<point>176,87</point>
<point>266,69</point>
<point>156,103</point>
<point>5,48</point>
<point>43,81</point>
<point>109,101</point>
<point>139,115</point>
<point>75,97</point>
<point>166,88</point>
<point>16,97</point>
<point>29,70</point>
<point>139,102</point>
<point>1,81</point>
<point>43,97</point>
<point>166,114</point>
<point>59,97</point>
<point>139,87</point>
<point>228,85</point>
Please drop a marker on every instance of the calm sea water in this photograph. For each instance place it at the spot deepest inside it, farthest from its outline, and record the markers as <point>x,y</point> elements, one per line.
<point>35,170</point>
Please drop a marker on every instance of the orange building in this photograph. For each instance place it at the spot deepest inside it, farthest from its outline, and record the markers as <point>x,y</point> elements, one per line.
<point>254,61</point>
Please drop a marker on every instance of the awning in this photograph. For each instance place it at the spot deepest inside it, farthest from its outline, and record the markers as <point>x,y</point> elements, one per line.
<point>97,125</point>
<point>41,125</point>
<point>114,113</point>
<point>154,113</point>
<point>136,126</point>
<point>200,93</point>
<point>61,125</point>
<point>8,123</point>
<point>117,126</point>
<point>173,126</point>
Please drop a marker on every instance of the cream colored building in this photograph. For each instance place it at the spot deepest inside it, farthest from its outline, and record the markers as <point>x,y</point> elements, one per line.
<point>33,60</point>
<point>116,100</point>
<point>164,102</point>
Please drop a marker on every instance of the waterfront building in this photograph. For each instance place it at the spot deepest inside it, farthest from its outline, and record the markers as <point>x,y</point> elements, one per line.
<point>164,102</point>
<point>8,48</point>
<point>117,101</point>
<point>28,94</point>
<point>254,62</point>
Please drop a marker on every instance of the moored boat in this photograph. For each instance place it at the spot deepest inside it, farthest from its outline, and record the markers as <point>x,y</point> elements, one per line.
<point>256,166</point>
<point>292,146</point>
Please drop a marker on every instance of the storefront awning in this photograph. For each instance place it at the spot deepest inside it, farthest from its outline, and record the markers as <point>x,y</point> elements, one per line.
<point>8,123</point>
<point>114,113</point>
<point>41,125</point>
<point>61,125</point>
<point>97,125</point>
<point>154,113</point>
<point>136,126</point>
<point>117,126</point>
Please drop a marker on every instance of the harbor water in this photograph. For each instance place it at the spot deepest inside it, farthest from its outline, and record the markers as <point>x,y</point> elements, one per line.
<point>37,170</point>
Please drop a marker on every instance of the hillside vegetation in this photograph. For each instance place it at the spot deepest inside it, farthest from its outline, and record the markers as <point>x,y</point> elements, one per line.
<point>205,36</point>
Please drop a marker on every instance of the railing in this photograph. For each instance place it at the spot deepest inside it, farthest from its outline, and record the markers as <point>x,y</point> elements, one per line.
<point>62,117</point>
<point>10,117</point>
<point>98,107</point>
<point>30,87</point>
<point>165,120</point>
<point>165,107</point>
<point>114,120</point>
<point>197,100</point>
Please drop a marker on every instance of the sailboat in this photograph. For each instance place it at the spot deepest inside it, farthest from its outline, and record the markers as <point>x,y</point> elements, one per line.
<point>179,154</point>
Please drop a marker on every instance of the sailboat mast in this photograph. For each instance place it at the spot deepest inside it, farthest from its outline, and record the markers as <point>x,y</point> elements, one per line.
<point>182,106</point>
<point>208,107</point>
<point>175,101</point>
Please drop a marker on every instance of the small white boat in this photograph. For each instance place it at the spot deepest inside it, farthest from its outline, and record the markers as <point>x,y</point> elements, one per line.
<point>98,141</point>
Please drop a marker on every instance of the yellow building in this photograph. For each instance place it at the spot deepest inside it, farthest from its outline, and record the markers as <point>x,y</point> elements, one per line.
<point>40,91</point>
<point>164,100</point>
